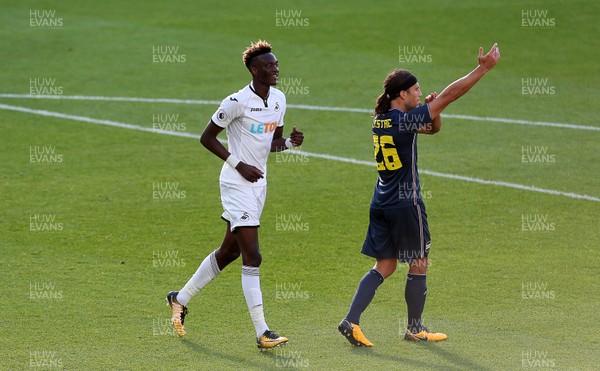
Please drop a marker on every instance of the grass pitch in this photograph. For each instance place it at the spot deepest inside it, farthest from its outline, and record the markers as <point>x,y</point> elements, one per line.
<point>103,221</point>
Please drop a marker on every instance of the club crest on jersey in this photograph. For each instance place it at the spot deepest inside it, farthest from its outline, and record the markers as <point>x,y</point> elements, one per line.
<point>276,106</point>
<point>263,128</point>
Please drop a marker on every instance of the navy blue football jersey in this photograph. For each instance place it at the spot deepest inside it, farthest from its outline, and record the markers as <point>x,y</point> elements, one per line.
<point>395,148</point>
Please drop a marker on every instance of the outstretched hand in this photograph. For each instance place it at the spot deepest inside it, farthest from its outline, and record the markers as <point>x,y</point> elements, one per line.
<point>296,136</point>
<point>489,60</point>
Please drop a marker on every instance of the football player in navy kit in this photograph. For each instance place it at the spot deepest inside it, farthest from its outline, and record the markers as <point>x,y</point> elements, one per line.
<point>253,120</point>
<point>398,229</point>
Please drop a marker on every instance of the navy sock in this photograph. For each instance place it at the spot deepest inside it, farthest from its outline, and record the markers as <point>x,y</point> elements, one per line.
<point>364,294</point>
<point>415,293</point>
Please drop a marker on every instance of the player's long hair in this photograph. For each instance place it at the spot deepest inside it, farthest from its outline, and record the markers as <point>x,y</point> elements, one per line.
<point>391,90</point>
<point>254,50</point>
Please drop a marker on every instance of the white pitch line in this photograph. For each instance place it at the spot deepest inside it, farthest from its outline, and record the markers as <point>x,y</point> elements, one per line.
<point>296,106</point>
<point>316,155</point>
<point>95,121</point>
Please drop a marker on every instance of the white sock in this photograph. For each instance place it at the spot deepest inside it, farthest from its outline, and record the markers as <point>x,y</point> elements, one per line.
<point>207,271</point>
<point>253,295</point>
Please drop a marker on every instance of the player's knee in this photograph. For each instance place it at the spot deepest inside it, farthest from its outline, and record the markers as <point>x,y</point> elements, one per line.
<point>418,266</point>
<point>388,271</point>
<point>252,258</point>
<point>232,255</point>
<point>225,257</point>
<point>229,251</point>
<point>386,267</point>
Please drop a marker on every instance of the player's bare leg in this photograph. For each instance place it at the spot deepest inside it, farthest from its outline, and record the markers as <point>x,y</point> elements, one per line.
<point>386,266</point>
<point>229,250</point>
<point>247,238</point>
<point>415,293</point>
<point>211,266</point>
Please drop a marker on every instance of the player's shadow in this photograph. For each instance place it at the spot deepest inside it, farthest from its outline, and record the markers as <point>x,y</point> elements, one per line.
<point>394,358</point>
<point>459,363</point>
<point>198,348</point>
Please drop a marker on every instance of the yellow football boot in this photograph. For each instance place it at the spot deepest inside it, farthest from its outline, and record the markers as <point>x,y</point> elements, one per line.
<point>425,335</point>
<point>178,312</point>
<point>353,334</point>
<point>269,340</point>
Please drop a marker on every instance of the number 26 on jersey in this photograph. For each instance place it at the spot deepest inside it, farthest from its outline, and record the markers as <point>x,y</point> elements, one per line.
<point>385,153</point>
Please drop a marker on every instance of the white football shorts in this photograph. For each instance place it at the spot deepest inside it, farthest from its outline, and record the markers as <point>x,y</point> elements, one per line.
<point>242,205</point>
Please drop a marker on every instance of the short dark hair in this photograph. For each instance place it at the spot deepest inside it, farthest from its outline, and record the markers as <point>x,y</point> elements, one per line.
<point>254,50</point>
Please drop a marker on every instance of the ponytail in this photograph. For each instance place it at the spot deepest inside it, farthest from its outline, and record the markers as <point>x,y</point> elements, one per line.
<point>396,81</point>
<point>382,105</point>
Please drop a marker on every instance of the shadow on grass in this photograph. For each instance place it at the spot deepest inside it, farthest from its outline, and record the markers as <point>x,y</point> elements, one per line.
<point>372,352</point>
<point>461,362</point>
<point>241,361</point>
<point>456,361</point>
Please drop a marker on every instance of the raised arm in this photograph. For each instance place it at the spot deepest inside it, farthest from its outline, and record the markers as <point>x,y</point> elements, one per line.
<point>459,87</point>
<point>436,123</point>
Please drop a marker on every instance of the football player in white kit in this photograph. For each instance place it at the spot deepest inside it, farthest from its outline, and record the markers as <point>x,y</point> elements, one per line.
<point>253,120</point>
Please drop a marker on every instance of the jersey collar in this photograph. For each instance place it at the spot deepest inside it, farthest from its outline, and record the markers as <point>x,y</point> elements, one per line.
<point>251,86</point>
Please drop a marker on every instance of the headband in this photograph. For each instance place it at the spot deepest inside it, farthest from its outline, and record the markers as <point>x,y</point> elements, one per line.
<point>410,81</point>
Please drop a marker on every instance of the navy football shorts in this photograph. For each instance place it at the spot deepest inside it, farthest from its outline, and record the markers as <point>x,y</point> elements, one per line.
<point>400,233</point>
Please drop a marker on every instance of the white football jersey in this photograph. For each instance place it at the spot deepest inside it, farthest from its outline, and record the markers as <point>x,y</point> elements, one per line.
<point>250,123</point>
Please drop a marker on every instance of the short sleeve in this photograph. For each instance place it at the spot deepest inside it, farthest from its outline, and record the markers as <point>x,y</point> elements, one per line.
<point>229,109</point>
<point>414,119</point>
